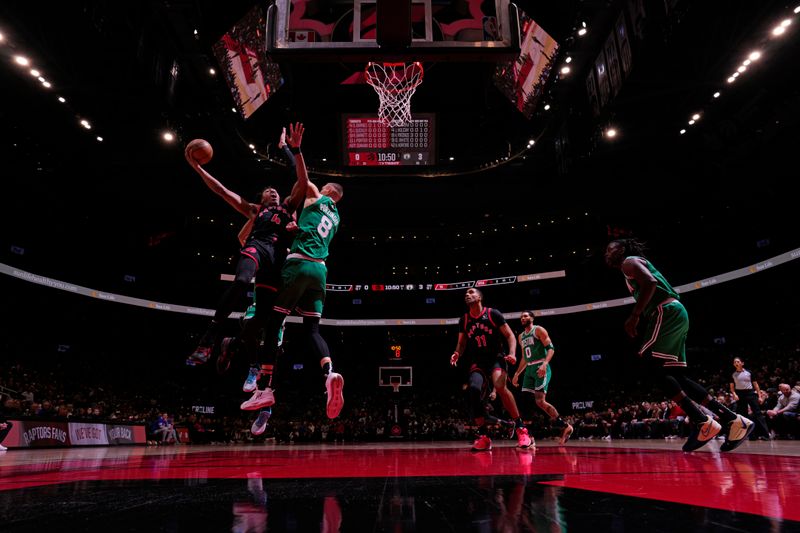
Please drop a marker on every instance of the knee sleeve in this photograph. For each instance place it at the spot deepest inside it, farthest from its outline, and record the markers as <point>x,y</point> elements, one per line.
<point>474,396</point>
<point>317,345</point>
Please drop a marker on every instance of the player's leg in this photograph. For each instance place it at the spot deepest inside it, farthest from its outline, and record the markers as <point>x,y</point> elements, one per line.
<point>233,296</point>
<point>267,284</point>
<point>540,385</point>
<point>476,393</point>
<point>671,327</point>
<point>310,308</point>
<point>499,379</point>
<point>285,300</point>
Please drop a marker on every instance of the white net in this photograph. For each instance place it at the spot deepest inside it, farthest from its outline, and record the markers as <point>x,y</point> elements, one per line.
<point>395,84</point>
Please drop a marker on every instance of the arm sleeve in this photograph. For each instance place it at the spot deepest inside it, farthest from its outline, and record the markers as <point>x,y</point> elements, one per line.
<point>290,157</point>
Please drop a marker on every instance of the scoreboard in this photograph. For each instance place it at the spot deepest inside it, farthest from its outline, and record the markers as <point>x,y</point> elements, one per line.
<point>369,142</point>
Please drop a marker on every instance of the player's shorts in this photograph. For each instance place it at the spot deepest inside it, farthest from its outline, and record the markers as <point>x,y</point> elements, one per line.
<point>268,263</point>
<point>486,367</point>
<point>531,382</point>
<point>302,288</point>
<point>667,327</point>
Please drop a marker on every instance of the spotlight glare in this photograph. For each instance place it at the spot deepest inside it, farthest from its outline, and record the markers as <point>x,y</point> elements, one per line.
<point>41,78</point>
<point>754,56</point>
<point>233,109</point>
<point>565,70</point>
<point>452,158</point>
<point>779,30</point>
<point>741,69</point>
<point>568,59</point>
<point>731,79</point>
<point>696,116</point>
<point>691,122</point>
<point>735,75</point>
<point>35,73</point>
<point>212,71</point>
<point>46,84</point>
<point>168,136</point>
<point>582,32</point>
<point>683,131</point>
<point>62,99</point>
<point>785,22</point>
<point>2,38</point>
<point>611,133</point>
<point>22,60</point>
<point>252,146</point>
<point>716,94</point>
<point>746,62</point>
<point>547,107</point>
<point>797,10</point>
<point>99,139</point>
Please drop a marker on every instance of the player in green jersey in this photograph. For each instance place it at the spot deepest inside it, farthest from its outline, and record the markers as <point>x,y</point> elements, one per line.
<point>303,290</point>
<point>534,366</point>
<point>665,345</point>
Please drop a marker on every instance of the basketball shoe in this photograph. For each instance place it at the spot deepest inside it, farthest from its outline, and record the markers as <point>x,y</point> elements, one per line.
<point>334,384</point>
<point>701,434</point>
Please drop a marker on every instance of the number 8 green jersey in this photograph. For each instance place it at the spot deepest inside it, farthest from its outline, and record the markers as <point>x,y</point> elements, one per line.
<point>317,225</point>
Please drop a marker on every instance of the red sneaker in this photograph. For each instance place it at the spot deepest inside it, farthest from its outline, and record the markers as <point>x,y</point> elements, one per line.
<point>523,439</point>
<point>482,444</point>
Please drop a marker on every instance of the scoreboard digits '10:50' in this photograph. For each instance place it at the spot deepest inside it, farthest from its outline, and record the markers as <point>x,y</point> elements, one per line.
<point>369,142</point>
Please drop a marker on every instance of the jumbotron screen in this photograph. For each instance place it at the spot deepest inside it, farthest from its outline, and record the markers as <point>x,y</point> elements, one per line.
<point>370,143</point>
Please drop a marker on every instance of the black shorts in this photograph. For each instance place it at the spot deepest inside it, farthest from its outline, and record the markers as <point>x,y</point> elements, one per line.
<point>268,263</point>
<point>486,366</point>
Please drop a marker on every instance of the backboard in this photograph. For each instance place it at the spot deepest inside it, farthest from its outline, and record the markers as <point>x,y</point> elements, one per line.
<point>395,377</point>
<point>349,30</point>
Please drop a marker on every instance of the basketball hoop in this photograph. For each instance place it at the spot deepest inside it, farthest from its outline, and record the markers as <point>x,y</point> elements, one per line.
<point>395,84</point>
<point>396,382</point>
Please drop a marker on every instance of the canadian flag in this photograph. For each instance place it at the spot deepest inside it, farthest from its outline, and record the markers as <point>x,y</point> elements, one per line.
<point>302,36</point>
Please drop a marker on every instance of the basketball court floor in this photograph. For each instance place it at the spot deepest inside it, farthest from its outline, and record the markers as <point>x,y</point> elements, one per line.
<point>400,486</point>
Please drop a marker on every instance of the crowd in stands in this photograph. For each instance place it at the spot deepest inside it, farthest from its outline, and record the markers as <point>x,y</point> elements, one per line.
<point>383,415</point>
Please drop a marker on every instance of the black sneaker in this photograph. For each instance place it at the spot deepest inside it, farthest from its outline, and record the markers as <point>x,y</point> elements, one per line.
<point>701,434</point>
<point>228,349</point>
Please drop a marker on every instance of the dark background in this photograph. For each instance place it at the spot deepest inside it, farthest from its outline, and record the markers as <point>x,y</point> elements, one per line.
<point>713,200</point>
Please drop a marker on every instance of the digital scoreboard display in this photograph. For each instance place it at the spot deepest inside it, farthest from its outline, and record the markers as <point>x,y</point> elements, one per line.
<point>368,142</point>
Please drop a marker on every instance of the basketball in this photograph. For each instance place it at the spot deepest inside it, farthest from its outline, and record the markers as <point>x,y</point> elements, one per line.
<point>200,150</point>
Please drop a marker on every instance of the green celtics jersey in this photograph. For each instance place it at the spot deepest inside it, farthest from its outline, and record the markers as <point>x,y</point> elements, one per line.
<point>532,348</point>
<point>317,225</point>
<point>663,289</point>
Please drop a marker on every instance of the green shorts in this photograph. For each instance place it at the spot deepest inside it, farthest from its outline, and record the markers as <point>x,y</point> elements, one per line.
<point>667,327</point>
<point>531,382</point>
<point>303,288</point>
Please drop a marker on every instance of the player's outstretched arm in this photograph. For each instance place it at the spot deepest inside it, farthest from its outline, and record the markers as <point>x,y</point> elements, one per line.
<point>237,202</point>
<point>300,188</point>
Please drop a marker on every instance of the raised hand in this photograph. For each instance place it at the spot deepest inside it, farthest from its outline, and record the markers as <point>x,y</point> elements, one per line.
<point>295,135</point>
<point>282,140</point>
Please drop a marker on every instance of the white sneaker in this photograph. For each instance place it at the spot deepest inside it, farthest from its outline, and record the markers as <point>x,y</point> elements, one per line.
<point>260,424</point>
<point>334,385</point>
<point>701,434</point>
<point>738,431</point>
<point>260,398</point>
<point>3,448</point>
